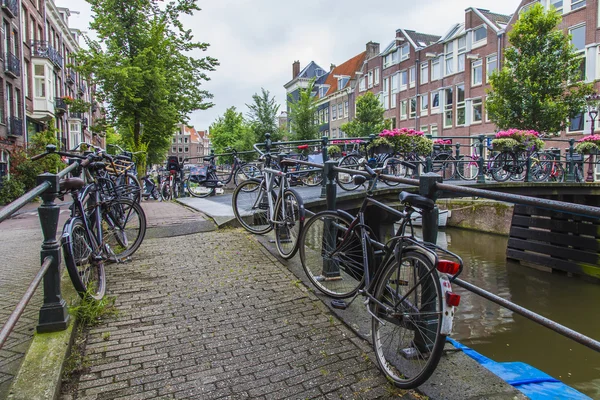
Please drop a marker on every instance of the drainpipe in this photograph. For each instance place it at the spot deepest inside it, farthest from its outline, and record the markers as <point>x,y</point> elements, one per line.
<point>417,76</point>
<point>23,83</point>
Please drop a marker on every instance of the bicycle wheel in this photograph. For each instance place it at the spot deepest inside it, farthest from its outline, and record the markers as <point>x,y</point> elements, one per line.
<point>519,169</point>
<point>245,172</point>
<point>394,167</point>
<point>312,177</point>
<point>123,228</point>
<point>540,169</point>
<point>86,273</point>
<point>557,173</point>
<point>345,180</point>
<point>579,173</point>
<point>467,168</point>
<point>333,265</point>
<point>408,345</point>
<point>197,189</point>
<point>133,192</point>
<point>251,207</point>
<point>288,228</point>
<point>502,166</point>
<point>445,165</point>
<point>165,191</point>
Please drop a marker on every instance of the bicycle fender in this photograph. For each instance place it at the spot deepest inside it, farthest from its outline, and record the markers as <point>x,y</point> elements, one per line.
<point>447,311</point>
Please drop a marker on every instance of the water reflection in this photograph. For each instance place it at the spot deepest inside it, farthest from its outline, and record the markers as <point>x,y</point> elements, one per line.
<point>504,336</point>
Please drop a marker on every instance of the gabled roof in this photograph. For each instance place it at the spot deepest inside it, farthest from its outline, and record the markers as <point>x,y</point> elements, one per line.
<point>499,20</point>
<point>455,31</point>
<point>304,74</point>
<point>348,69</point>
<point>420,40</point>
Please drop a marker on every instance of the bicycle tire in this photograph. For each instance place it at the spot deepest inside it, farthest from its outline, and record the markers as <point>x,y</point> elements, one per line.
<point>444,163</point>
<point>245,172</point>
<point>345,180</point>
<point>502,166</point>
<point>467,168</point>
<point>346,269</point>
<point>578,173</point>
<point>409,345</point>
<point>134,192</point>
<point>393,166</point>
<point>287,232</point>
<point>250,207</point>
<point>123,228</point>
<point>312,177</point>
<point>196,189</point>
<point>165,191</point>
<point>88,275</point>
<point>557,174</point>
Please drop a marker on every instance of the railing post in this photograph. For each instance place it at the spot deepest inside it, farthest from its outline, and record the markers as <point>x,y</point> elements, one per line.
<point>480,161</point>
<point>330,269</point>
<point>571,162</point>
<point>53,314</point>
<point>527,168</point>
<point>458,163</point>
<point>212,154</point>
<point>324,141</point>
<point>427,188</point>
<point>428,164</point>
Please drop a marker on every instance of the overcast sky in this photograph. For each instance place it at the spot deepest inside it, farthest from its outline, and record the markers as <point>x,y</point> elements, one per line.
<point>256,41</point>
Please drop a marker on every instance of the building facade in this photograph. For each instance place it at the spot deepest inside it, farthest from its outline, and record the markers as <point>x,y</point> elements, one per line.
<point>190,143</point>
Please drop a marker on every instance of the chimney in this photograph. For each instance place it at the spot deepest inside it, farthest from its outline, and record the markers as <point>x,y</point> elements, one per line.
<point>295,69</point>
<point>331,67</point>
<point>372,49</point>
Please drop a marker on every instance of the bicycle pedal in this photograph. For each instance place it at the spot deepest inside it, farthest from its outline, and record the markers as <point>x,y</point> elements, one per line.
<point>339,304</point>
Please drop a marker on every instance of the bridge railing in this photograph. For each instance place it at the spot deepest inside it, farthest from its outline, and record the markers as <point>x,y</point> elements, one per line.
<point>53,314</point>
<point>431,185</point>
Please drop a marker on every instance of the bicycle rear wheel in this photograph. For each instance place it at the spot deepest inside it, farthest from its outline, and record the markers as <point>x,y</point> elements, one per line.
<point>165,191</point>
<point>393,166</point>
<point>87,274</point>
<point>288,229</point>
<point>196,189</point>
<point>467,168</point>
<point>445,165</point>
<point>345,180</point>
<point>245,172</point>
<point>251,207</point>
<point>503,165</point>
<point>332,264</point>
<point>406,335</point>
<point>123,228</point>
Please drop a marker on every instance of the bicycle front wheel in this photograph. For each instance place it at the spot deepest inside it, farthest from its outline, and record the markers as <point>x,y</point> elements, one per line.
<point>123,228</point>
<point>406,327</point>
<point>344,179</point>
<point>503,165</point>
<point>393,166</point>
<point>467,168</point>
<point>196,189</point>
<point>445,165</point>
<point>332,263</point>
<point>289,220</point>
<point>86,273</point>
<point>245,172</point>
<point>251,207</point>
<point>165,191</point>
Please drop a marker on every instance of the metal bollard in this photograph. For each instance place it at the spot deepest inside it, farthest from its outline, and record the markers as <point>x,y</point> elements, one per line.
<point>324,141</point>
<point>571,163</point>
<point>53,314</point>
<point>428,164</point>
<point>528,169</point>
<point>427,183</point>
<point>330,269</point>
<point>481,175</point>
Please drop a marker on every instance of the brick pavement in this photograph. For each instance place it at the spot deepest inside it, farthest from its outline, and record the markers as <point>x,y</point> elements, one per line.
<point>214,315</point>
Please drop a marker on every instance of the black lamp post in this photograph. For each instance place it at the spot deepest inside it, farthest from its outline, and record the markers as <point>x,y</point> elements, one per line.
<point>592,104</point>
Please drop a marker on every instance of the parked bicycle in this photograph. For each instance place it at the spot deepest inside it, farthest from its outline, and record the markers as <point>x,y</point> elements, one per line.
<point>259,206</point>
<point>150,188</point>
<point>406,282</point>
<point>171,186</point>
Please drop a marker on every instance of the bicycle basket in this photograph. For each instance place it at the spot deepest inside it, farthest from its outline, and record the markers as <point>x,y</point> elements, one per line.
<point>198,174</point>
<point>109,190</point>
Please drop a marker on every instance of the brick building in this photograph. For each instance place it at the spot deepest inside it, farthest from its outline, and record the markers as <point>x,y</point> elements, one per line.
<point>188,142</point>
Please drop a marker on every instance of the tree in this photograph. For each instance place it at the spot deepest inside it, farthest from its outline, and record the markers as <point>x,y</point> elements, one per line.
<point>142,69</point>
<point>539,86</point>
<point>262,117</point>
<point>302,114</point>
<point>230,130</point>
<point>369,117</point>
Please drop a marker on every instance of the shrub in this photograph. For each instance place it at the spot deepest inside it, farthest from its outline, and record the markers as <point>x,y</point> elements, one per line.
<point>10,189</point>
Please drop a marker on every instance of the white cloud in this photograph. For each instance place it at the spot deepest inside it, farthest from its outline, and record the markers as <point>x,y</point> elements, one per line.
<point>256,41</point>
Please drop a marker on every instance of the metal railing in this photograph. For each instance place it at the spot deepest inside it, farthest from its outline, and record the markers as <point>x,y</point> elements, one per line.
<point>60,104</point>
<point>15,126</point>
<point>41,48</point>
<point>11,7</point>
<point>431,185</point>
<point>70,74</point>
<point>53,314</point>
<point>12,65</point>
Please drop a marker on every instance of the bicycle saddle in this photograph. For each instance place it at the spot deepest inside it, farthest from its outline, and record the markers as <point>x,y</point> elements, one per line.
<point>417,201</point>
<point>71,184</point>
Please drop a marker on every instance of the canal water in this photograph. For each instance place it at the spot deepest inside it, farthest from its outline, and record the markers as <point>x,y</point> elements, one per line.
<point>503,335</point>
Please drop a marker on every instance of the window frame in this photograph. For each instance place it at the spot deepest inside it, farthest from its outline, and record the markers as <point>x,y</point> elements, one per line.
<point>482,41</point>
<point>424,72</point>
<point>461,105</point>
<point>478,101</point>
<point>477,64</point>
<point>402,49</point>
<point>403,110</point>
<point>424,104</point>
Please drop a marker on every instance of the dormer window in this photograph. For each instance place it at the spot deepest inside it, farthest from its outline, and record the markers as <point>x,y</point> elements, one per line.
<point>404,52</point>
<point>479,36</point>
<point>319,72</point>
<point>323,91</point>
<point>342,81</point>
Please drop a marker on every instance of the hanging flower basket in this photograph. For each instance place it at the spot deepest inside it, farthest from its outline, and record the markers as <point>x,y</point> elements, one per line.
<point>518,141</point>
<point>442,145</point>
<point>588,145</point>
<point>406,140</point>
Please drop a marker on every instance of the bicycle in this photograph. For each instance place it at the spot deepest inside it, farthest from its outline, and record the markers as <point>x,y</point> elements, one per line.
<point>100,226</point>
<point>171,186</point>
<point>468,165</point>
<point>406,284</point>
<point>259,206</point>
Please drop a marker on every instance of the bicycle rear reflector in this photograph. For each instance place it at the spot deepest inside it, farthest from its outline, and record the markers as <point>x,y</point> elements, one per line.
<point>448,267</point>
<point>452,299</point>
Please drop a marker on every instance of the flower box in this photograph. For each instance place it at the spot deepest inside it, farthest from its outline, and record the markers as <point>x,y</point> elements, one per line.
<point>588,145</point>
<point>518,141</point>
<point>406,140</point>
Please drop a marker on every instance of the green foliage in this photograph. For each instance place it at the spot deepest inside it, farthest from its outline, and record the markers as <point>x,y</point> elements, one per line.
<point>230,130</point>
<point>77,105</point>
<point>333,150</point>
<point>302,114</point>
<point>504,144</point>
<point>587,148</point>
<point>144,69</point>
<point>262,117</point>
<point>10,189</point>
<point>90,312</point>
<point>369,117</point>
<point>379,143</point>
<point>537,88</point>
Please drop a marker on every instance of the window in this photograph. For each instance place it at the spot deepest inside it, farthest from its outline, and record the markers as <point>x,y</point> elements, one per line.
<point>395,82</point>
<point>448,116</point>
<point>435,102</point>
<point>412,72</point>
<point>393,100</point>
<point>181,149</point>
<point>460,105</point>
<point>185,140</point>
<point>376,74</point>
<point>346,104</point>
<point>19,103</point>
<point>404,52</point>
<point>412,111</point>
<point>578,40</point>
<point>342,82</point>
<point>492,64</point>
<point>26,78</point>
<point>333,112</point>
<point>424,104</point>
<point>436,71</point>
<point>479,36</point>
<point>381,97</point>
<point>185,149</point>
<point>390,59</point>
<point>4,163</point>
<point>477,72</point>
<point>334,133</point>
<point>370,79</point>
<point>424,72</point>
<point>403,80</point>
<point>393,123</point>
<point>434,130</point>
<point>576,4</point>
<point>32,29</point>
<point>477,111</point>
<point>449,58</point>
<point>576,123</point>
<point>174,150</point>
<point>340,110</point>
<point>362,84</point>
<point>40,81</point>
<point>323,91</point>
<point>403,107</point>
<point>386,93</point>
<point>425,129</point>
<point>326,120</point>
<point>558,4</point>
<point>462,49</point>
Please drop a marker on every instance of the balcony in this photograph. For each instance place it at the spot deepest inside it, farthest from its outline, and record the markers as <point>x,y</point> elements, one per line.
<point>60,105</point>
<point>11,7</point>
<point>41,48</point>
<point>12,65</point>
<point>75,115</point>
<point>15,126</point>
<point>70,76</point>
<point>84,122</point>
<point>82,87</point>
